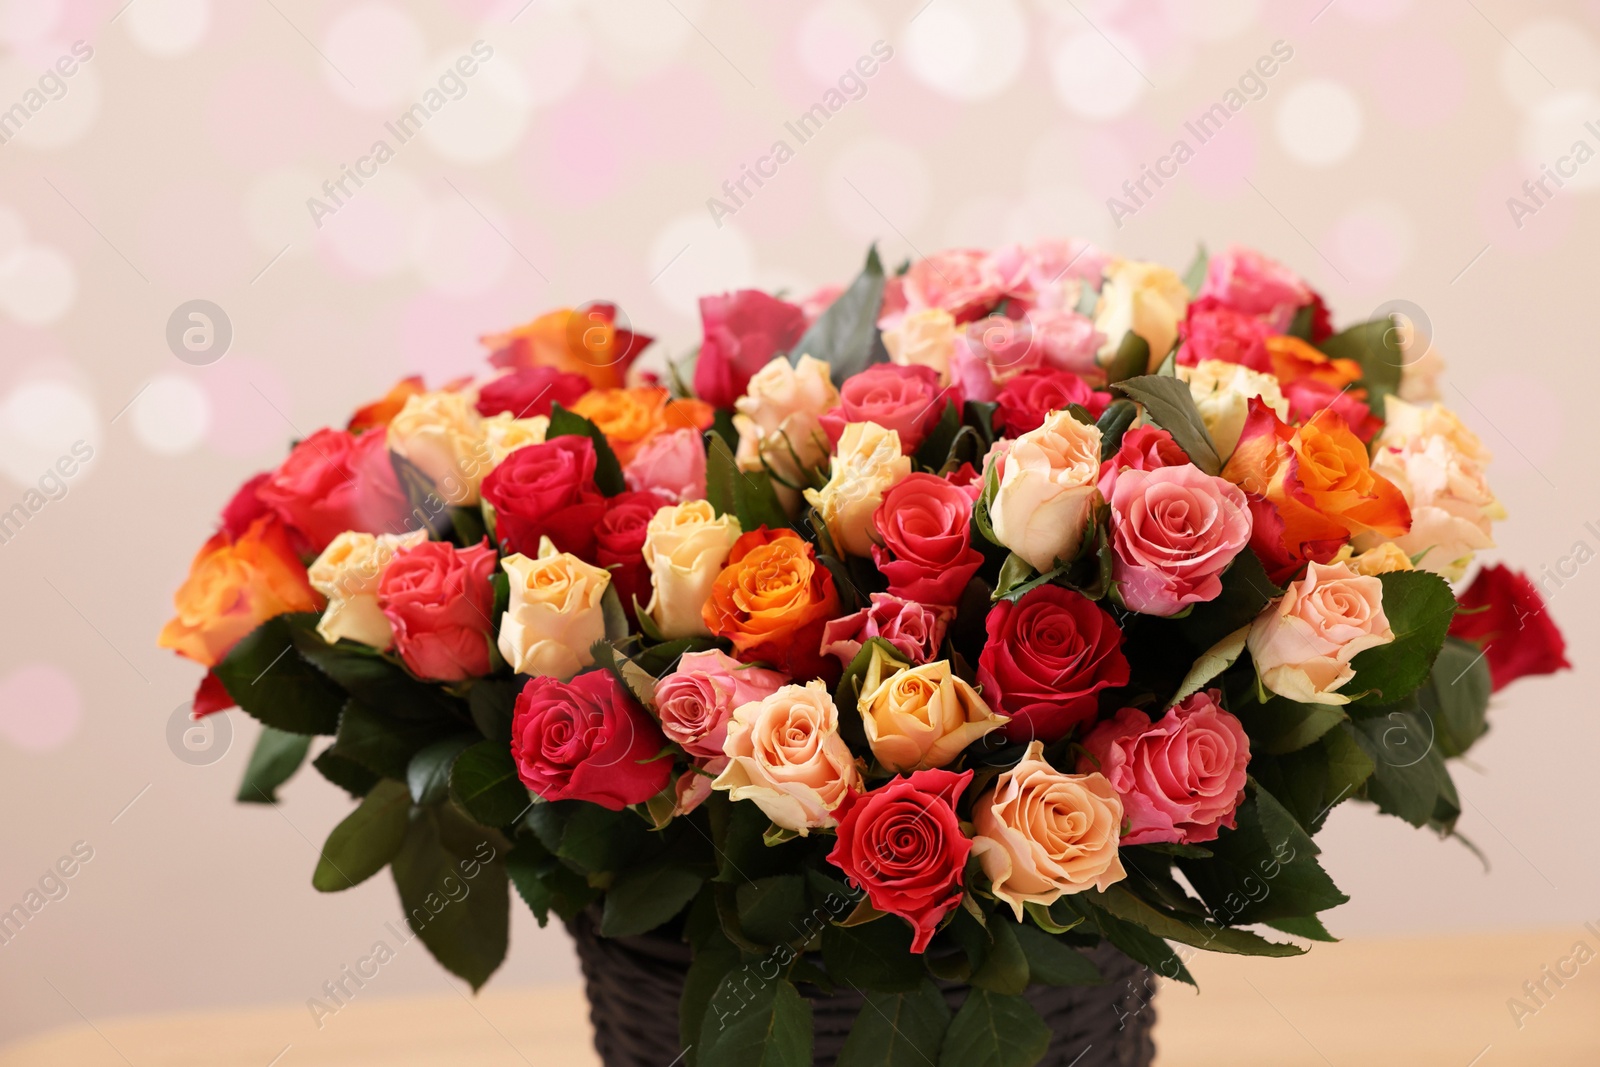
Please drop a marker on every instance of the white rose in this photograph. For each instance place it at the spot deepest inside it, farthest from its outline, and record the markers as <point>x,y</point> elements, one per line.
<point>685,546</point>
<point>1144,298</point>
<point>555,614</point>
<point>442,435</point>
<point>925,338</point>
<point>503,434</point>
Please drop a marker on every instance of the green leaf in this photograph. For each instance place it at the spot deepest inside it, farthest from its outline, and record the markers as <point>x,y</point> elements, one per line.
<point>994,1030</point>
<point>273,761</point>
<point>645,897</point>
<point>484,782</point>
<point>1456,697</point>
<point>1212,662</point>
<point>607,471</point>
<point>1054,962</point>
<point>1376,346</point>
<point>772,910</point>
<point>845,336</point>
<point>268,679</point>
<point>1005,965</point>
<point>1246,589</point>
<point>452,880</point>
<point>769,1026</point>
<point>428,773</point>
<point>1195,276</point>
<point>711,964</point>
<point>1283,725</point>
<point>1135,942</point>
<point>634,678</point>
<point>1419,606</point>
<point>657,660</point>
<point>747,495</point>
<point>598,840</point>
<point>345,773</point>
<point>468,525</point>
<point>367,839</point>
<point>1046,919</point>
<point>1127,905</point>
<point>616,619</point>
<point>847,694</point>
<point>1409,776</point>
<point>1131,361</point>
<point>384,744</point>
<point>979,414</point>
<point>1307,926</point>
<point>1314,780</point>
<point>1114,423</point>
<point>898,1029</point>
<point>935,448</point>
<point>493,704</point>
<point>875,956</point>
<point>546,884</point>
<point>368,676</point>
<point>1169,404</point>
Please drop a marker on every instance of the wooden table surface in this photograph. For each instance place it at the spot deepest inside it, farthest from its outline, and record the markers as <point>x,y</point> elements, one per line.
<point>1423,1002</point>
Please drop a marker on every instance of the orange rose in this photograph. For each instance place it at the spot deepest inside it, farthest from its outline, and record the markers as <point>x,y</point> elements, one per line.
<point>1295,360</point>
<point>631,417</point>
<point>380,412</point>
<point>586,342</point>
<point>233,587</point>
<point>772,600</point>
<point>1319,479</point>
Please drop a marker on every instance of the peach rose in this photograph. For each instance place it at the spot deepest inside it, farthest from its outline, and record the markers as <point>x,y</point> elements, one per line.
<point>554,615</point>
<point>1302,644</point>
<point>685,546</point>
<point>1041,834</point>
<point>347,573</point>
<point>785,754</point>
<point>867,464</point>
<point>923,338</point>
<point>922,717</point>
<point>1142,298</point>
<point>1047,492</point>
<point>441,434</point>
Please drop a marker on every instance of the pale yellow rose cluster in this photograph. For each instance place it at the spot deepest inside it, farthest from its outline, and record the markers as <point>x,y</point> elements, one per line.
<point>1440,466</point>
<point>1047,496</point>
<point>867,463</point>
<point>1302,644</point>
<point>348,573</point>
<point>925,338</point>
<point>1222,393</point>
<point>1147,299</point>
<point>555,614</point>
<point>785,755</point>
<point>443,435</point>
<point>685,546</point>
<point>778,420</point>
<point>919,718</point>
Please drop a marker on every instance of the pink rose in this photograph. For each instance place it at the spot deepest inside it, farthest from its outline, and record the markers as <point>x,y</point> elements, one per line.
<point>672,464</point>
<point>438,600</point>
<point>907,400</point>
<point>695,701</point>
<point>1066,340</point>
<point>1212,330</point>
<point>989,350</point>
<point>1144,448</point>
<point>819,300</point>
<point>926,526</point>
<point>587,739</point>
<point>1249,282</point>
<point>1174,531</point>
<point>335,481</point>
<point>1053,265</point>
<point>1026,399</point>
<point>1302,644</point>
<point>742,332</point>
<point>1308,396</point>
<point>955,280</point>
<point>914,629</point>
<point>1180,778</point>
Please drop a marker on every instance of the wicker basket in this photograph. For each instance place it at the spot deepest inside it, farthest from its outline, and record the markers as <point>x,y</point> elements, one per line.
<point>634,984</point>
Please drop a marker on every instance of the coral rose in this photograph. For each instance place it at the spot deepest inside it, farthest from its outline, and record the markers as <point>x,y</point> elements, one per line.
<point>588,740</point>
<point>671,464</point>
<point>335,481</point>
<point>1173,532</point>
<point>438,598</point>
<point>785,754</point>
<point>1143,448</point>
<point>1027,398</point>
<point>773,600</point>
<point>907,400</point>
<point>1302,644</point>
<point>914,629</point>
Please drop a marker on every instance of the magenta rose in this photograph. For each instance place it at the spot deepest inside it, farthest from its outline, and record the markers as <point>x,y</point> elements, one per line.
<point>335,481</point>
<point>1027,398</point>
<point>1047,658</point>
<point>907,400</point>
<point>547,490</point>
<point>926,526</point>
<point>587,739</point>
<point>1144,448</point>
<point>530,391</point>
<point>1180,778</point>
<point>742,332</point>
<point>672,464</point>
<point>619,545</point>
<point>1212,330</point>
<point>1174,531</point>
<point>439,601</point>
<point>916,630</point>
<point>1307,397</point>
<point>1249,282</point>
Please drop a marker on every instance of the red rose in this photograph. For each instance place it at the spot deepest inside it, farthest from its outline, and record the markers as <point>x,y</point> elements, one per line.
<point>1213,331</point>
<point>1502,612</point>
<point>903,844</point>
<point>619,544</point>
<point>211,697</point>
<point>547,490</point>
<point>335,481</point>
<point>927,552</point>
<point>1266,541</point>
<point>245,507</point>
<point>587,739</point>
<point>1047,657</point>
<point>1307,396</point>
<point>1026,399</point>
<point>743,331</point>
<point>439,600</point>
<point>530,391</point>
<point>907,400</point>
<point>1144,448</point>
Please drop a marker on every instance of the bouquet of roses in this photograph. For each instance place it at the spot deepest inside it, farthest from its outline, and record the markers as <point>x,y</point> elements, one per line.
<point>922,631</point>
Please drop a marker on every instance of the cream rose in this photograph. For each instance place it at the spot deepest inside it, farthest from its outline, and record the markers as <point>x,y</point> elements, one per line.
<point>1382,558</point>
<point>503,435</point>
<point>685,546</point>
<point>347,573</point>
<point>1302,644</point>
<point>922,717</point>
<point>1047,490</point>
<point>554,615</point>
<point>785,754</point>
<point>867,464</point>
<point>442,435</point>
<point>778,421</point>
<point>1222,393</point>
<point>1144,298</point>
<point>1041,834</point>
<point>923,338</point>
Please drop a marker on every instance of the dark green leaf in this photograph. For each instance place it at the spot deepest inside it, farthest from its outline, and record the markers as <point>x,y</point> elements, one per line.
<point>1376,346</point>
<point>935,448</point>
<point>1307,926</point>
<point>979,414</point>
<point>384,744</point>
<point>366,840</point>
<point>768,1025</point>
<point>451,875</point>
<point>643,898</point>
<point>598,840</point>
<point>1457,696</point>
<point>493,703</point>
<point>467,523</point>
<point>1419,606</point>
<point>428,773</point>
<point>1283,725</point>
<point>845,336</point>
<point>875,956</point>
<point>1265,868</point>
<point>1131,361</point>
<point>268,679</point>
<point>347,774</point>
<point>898,1030</point>
<point>1169,405</point>
<point>1135,942</point>
<point>993,1030</point>
<point>1052,961</point>
<point>1246,589</point>
<point>1114,422</point>
<point>1409,775</point>
<point>273,761</point>
<point>1005,966</point>
<point>607,471</point>
<point>1128,906</point>
<point>710,966</point>
<point>772,910</point>
<point>365,674</point>
<point>484,782</point>
<point>657,660</point>
<point>546,884</point>
<point>616,619</point>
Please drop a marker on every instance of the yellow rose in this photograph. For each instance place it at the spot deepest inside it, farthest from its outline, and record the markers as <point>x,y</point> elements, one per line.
<point>1144,298</point>
<point>785,754</point>
<point>503,435</point>
<point>1382,558</point>
<point>442,435</point>
<point>923,338</point>
<point>868,464</point>
<point>922,717</point>
<point>554,615</point>
<point>1222,392</point>
<point>1041,834</point>
<point>685,546</point>
<point>1047,490</point>
<point>347,573</point>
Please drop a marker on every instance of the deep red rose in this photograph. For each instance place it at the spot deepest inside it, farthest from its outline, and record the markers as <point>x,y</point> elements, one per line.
<point>439,600</point>
<point>547,490</point>
<point>742,332</point>
<point>907,400</point>
<point>1502,611</point>
<point>587,739</point>
<point>211,697</point>
<point>927,552</point>
<point>530,391</point>
<point>1143,448</point>
<point>1212,330</point>
<point>1026,399</point>
<point>1047,657</point>
<point>246,507</point>
<point>619,544</point>
<point>903,844</point>
<point>1321,320</point>
<point>335,481</point>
